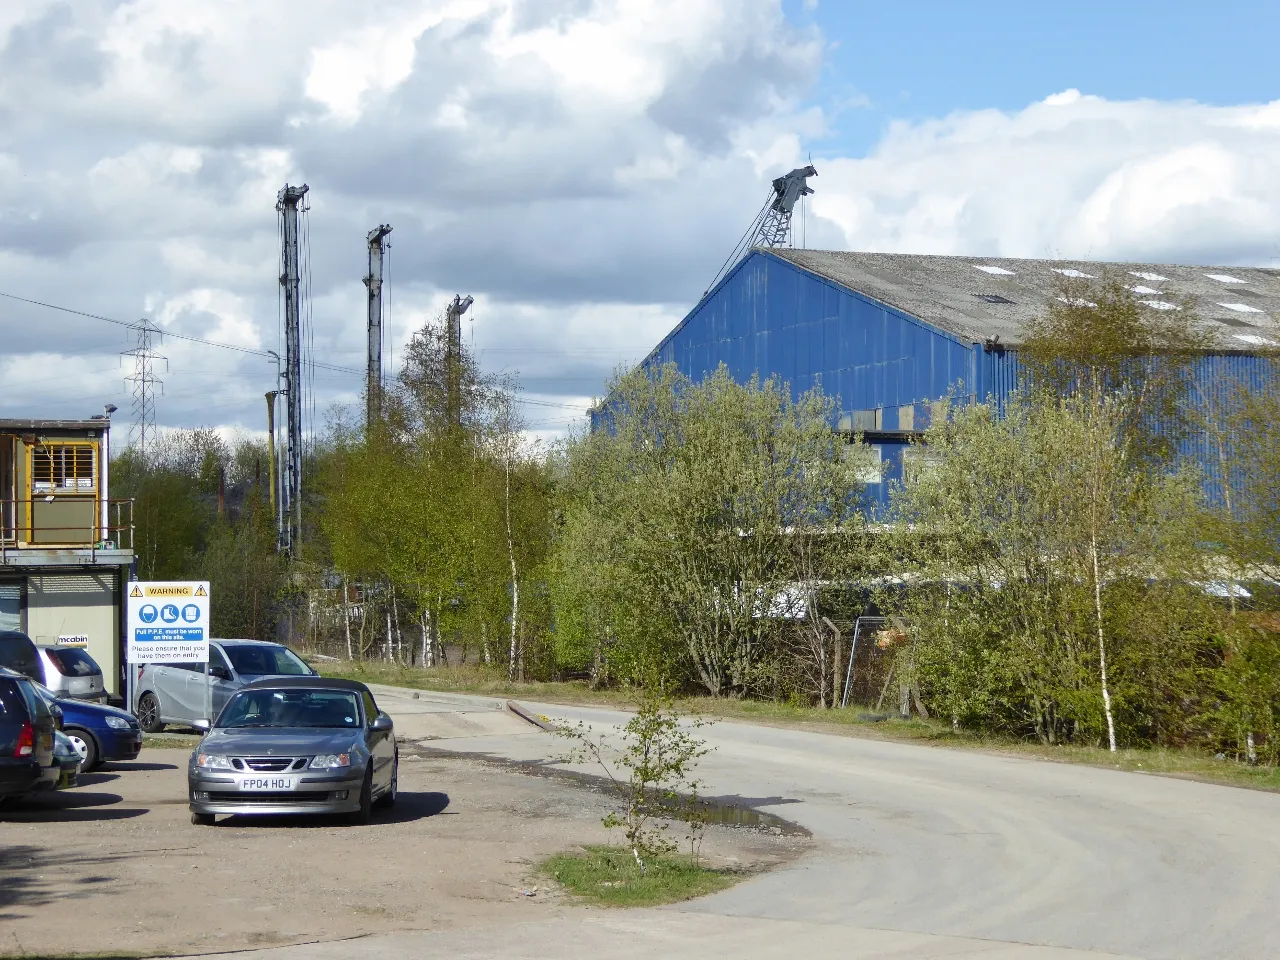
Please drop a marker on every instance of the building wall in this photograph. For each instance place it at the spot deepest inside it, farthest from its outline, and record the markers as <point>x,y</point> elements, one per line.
<point>771,317</point>
<point>71,604</point>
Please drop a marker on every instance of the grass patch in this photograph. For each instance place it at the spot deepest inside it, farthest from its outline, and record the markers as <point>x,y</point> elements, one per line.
<point>488,681</point>
<point>609,876</point>
<point>169,741</point>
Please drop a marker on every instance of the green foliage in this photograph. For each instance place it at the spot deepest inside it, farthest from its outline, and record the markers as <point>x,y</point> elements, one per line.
<point>200,513</point>
<point>445,514</point>
<point>1033,543</point>
<point>689,525</point>
<point>654,782</point>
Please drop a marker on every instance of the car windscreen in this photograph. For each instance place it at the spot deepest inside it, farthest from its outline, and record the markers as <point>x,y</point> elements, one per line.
<point>72,662</point>
<point>252,660</point>
<point>19,653</point>
<point>291,707</point>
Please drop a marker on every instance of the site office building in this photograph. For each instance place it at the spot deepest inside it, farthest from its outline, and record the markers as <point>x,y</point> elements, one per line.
<point>895,338</point>
<point>66,549</point>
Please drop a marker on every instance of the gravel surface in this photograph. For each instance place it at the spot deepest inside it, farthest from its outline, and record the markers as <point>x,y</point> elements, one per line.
<point>116,865</point>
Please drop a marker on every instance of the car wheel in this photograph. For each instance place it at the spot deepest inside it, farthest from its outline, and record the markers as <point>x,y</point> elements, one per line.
<point>388,799</point>
<point>85,745</point>
<point>149,713</point>
<point>202,819</point>
<point>365,813</point>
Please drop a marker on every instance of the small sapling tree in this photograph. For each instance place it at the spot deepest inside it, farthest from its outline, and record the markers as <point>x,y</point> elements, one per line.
<point>650,770</point>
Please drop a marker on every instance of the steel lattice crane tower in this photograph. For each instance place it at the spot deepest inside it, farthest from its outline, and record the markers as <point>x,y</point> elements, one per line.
<point>144,382</point>
<point>287,202</point>
<point>373,281</point>
<point>772,225</point>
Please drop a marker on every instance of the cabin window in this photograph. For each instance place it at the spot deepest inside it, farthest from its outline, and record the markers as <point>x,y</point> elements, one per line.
<point>63,468</point>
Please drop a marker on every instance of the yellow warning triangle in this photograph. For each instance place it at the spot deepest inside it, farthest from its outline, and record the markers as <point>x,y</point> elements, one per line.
<point>135,592</point>
<point>200,592</point>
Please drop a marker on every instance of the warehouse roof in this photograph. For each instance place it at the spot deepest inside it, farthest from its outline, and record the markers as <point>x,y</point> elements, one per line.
<point>982,298</point>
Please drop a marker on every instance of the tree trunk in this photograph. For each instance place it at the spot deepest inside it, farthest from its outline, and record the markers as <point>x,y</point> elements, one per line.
<point>1102,644</point>
<point>346,615</point>
<point>837,686</point>
<point>515,581</point>
<point>426,636</point>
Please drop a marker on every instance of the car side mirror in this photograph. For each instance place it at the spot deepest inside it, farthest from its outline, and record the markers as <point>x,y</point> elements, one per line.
<point>201,726</point>
<point>381,724</point>
<point>220,672</point>
<point>56,711</point>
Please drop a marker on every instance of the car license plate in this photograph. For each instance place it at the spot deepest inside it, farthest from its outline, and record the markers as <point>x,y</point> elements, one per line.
<point>269,783</point>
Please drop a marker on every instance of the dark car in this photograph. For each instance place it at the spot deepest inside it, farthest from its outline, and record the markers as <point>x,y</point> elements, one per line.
<point>179,693</point>
<point>98,732</point>
<point>296,745</point>
<point>27,725</point>
<point>19,654</point>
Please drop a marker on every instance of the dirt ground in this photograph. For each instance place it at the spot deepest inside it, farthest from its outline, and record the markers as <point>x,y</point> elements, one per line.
<point>116,865</point>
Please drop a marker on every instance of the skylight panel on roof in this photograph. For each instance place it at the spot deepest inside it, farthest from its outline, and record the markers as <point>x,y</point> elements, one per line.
<point>1254,339</point>
<point>1240,307</point>
<point>1153,277</point>
<point>998,271</point>
<point>1225,278</point>
<point>1076,302</point>
<point>992,298</point>
<point>1072,272</point>
<point>1159,305</point>
<point>1141,289</point>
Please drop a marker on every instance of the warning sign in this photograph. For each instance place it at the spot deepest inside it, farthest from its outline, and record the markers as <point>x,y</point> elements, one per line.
<point>169,622</point>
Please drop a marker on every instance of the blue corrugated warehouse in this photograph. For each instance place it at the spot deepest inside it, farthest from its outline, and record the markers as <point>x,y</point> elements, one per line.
<point>891,335</point>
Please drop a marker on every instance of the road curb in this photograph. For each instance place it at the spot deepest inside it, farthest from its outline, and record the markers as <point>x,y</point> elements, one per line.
<point>462,699</point>
<point>524,714</point>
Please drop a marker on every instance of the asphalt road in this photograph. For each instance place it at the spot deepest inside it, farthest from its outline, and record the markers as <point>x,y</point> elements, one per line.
<point>927,852</point>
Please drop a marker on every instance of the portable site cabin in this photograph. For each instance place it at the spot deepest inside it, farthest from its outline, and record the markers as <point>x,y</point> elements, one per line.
<point>66,548</point>
<point>893,335</point>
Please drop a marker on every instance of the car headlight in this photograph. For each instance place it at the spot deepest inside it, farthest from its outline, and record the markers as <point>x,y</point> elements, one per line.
<point>213,761</point>
<point>331,761</point>
<point>117,723</point>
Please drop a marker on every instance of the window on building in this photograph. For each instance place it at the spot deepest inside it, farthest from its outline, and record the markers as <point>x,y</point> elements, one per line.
<point>917,461</point>
<point>869,460</point>
<point>62,467</point>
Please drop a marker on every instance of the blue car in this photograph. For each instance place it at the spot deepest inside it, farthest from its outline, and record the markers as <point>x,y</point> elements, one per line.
<point>98,732</point>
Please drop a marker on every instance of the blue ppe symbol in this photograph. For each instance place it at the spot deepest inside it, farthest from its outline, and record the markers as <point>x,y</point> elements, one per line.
<point>147,614</point>
<point>169,613</point>
<point>191,613</point>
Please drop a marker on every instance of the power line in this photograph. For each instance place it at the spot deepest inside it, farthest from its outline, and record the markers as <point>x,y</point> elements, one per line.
<point>167,333</point>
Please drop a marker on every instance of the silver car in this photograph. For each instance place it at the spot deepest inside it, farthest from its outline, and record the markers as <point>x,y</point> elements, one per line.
<point>178,693</point>
<point>69,671</point>
<point>295,745</point>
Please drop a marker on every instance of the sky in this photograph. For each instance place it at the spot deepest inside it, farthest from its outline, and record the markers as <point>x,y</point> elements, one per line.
<point>580,167</point>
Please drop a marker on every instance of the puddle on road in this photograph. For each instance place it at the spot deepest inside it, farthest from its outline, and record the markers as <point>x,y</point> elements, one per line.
<point>737,812</point>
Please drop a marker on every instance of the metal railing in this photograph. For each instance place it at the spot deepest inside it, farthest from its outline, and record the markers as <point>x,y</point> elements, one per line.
<point>25,526</point>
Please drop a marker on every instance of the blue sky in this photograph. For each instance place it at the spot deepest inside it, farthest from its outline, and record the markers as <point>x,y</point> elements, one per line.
<point>913,59</point>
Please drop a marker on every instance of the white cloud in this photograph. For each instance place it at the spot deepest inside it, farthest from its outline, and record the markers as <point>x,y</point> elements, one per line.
<point>579,167</point>
<point>1071,176</point>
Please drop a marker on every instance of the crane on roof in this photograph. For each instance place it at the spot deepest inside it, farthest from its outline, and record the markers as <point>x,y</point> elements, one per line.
<point>772,225</point>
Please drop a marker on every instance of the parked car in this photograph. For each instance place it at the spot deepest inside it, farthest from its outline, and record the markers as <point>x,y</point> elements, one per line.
<point>68,759</point>
<point>19,654</point>
<point>27,726</point>
<point>176,692</point>
<point>71,672</point>
<point>295,745</point>
<point>98,732</point>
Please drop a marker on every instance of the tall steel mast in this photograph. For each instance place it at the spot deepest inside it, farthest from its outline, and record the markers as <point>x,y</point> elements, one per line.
<point>373,281</point>
<point>287,202</point>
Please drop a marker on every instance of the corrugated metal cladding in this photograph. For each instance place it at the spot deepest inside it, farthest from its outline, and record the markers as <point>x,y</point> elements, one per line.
<point>769,316</point>
<point>885,367</point>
